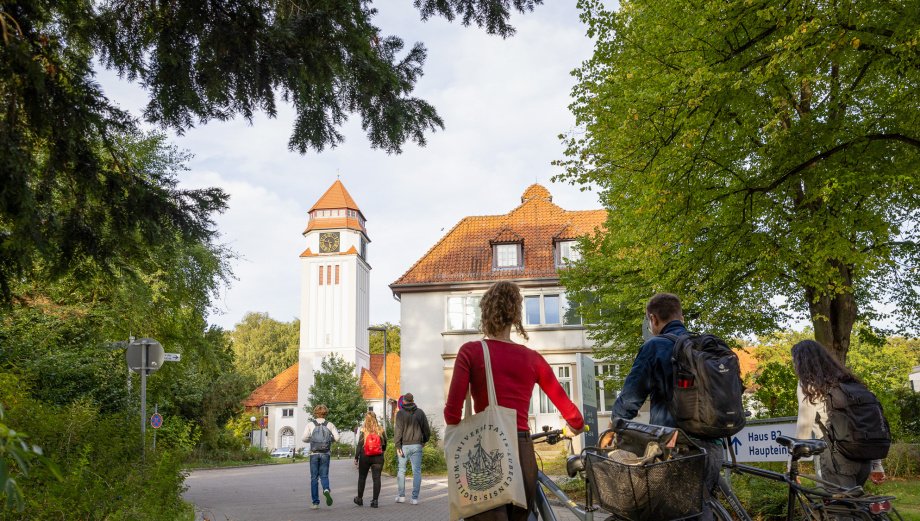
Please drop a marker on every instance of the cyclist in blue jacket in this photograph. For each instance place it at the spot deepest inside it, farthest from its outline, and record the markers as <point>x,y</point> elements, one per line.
<point>651,377</point>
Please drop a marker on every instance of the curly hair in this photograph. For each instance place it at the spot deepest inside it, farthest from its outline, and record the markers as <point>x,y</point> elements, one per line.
<point>818,370</point>
<point>502,305</point>
<point>371,424</point>
<point>320,411</point>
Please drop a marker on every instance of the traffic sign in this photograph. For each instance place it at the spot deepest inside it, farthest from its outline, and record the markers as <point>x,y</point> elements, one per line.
<point>135,355</point>
<point>172,357</point>
<point>757,441</point>
<point>156,421</point>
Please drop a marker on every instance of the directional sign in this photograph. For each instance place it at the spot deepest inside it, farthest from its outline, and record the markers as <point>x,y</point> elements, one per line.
<point>156,421</point>
<point>171,357</point>
<point>758,442</point>
<point>588,397</point>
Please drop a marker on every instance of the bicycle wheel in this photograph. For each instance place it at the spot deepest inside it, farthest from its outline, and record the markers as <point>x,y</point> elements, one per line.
<point>719,513</point>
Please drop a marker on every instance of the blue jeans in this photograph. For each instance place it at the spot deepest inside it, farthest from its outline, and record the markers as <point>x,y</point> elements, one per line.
<point>319,470</point>
<point>412,453</point>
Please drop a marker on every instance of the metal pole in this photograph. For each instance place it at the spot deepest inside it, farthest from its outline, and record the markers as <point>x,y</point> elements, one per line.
<point>386,401</point>
<point>144,402</point>
<point>156,410</point>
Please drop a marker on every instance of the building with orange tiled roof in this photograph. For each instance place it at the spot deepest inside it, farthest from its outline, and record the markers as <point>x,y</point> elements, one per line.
<point>334,317</point>
<point>439,297</point>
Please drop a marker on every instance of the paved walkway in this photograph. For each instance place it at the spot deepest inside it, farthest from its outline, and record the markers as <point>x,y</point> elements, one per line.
<point>282,493</point>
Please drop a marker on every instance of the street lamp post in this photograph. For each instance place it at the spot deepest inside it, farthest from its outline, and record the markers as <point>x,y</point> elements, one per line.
<point>386,404</point>
<point>252,431</point>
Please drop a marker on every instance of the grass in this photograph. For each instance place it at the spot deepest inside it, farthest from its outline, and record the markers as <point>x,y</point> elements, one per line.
<point>908,493</point>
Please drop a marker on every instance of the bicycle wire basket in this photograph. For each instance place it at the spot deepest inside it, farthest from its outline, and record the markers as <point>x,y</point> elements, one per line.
<point>667,490</point>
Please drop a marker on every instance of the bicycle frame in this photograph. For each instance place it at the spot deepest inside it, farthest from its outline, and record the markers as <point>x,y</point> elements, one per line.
<point>542,506</point>
<point>814,502</point>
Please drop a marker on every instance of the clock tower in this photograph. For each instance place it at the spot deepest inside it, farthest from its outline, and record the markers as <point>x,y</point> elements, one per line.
<point>334,283</point>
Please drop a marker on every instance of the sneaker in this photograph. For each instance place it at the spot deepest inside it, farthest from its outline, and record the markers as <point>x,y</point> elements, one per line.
<point>373,503</point>
<point>328,497</point>
<point>400,499</point>
<point>413,501</point>
<point>359,501</point>
<point>314,506</point>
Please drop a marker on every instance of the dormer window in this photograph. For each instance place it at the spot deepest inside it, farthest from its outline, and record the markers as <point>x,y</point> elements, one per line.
<point>566,253</point>
<point>508,255</point>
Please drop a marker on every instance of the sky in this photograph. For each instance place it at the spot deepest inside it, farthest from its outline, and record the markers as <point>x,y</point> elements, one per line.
<point>504,104</point>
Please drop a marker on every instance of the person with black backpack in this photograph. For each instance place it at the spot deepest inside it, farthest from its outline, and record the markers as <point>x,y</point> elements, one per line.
<point>412,432</point>
<point>320,434</point>
<point>836,406</point>
<point>693,382</point>
<point>372,443</point>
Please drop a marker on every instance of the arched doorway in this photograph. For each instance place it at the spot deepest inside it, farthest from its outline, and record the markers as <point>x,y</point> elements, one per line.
<point>287,437</point>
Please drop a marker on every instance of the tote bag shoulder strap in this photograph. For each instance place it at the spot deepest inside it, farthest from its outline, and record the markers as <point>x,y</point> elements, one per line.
<point>490,382</point>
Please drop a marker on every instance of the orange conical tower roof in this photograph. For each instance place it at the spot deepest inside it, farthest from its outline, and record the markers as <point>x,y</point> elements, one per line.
<point>336,197</point>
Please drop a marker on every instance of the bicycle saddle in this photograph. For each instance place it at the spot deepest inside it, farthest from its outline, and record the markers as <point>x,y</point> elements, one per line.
<point>802,448</point>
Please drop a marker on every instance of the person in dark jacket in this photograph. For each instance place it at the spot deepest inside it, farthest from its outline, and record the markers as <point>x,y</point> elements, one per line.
<point>366,462</point>
<point>652,376</point>
<point>412,432</point>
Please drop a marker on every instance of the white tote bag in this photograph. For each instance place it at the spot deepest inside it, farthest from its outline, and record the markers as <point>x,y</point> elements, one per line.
<point>483,467</point>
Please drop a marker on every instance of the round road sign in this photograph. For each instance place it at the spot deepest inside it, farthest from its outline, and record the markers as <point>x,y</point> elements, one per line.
<point>156,421</point>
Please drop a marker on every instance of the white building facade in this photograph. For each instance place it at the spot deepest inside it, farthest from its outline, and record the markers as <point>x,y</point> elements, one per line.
<point>439,301</point>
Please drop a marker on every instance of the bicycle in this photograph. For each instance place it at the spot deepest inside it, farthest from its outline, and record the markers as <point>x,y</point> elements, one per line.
<point>542,509</point>
<point>815,504</point>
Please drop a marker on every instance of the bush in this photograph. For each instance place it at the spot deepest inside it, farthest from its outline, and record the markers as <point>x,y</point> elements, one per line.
<point>99,457</point>
<point>903,460</point>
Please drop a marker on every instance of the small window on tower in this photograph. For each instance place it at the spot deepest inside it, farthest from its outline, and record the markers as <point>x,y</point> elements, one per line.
<point>320,275</point>
<point>336,273</point>
<point>329,274</point>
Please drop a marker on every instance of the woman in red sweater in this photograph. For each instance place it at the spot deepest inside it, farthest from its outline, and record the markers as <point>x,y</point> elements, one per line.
<point>515,370</point>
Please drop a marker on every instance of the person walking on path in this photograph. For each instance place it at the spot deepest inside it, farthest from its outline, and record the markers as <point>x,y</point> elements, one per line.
<point>320,434</point>
<point>412,433</point>
<point>515,371</point>
<point>651,376</point>
<point>372,443</point>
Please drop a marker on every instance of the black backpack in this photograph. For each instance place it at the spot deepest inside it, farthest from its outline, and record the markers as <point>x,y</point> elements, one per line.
<point>856,425</point>
<point>320,438</point>
<point>707,388</point>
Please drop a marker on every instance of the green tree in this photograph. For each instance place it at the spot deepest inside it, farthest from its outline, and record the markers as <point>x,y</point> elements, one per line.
<point>747,150</point>
<point>375,339</point>
<point>337,387</point>
<point>198,61</point>
<point>773,381</point>
<point>263,347</point>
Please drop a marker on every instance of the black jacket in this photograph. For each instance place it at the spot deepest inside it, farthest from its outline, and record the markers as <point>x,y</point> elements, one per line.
<point>359,449</point>
<point>411,426</point>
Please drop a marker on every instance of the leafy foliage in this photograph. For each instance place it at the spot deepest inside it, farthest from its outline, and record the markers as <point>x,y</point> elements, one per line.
<point>263,347</point>
<point>748,150</point>
<point>375,339</point>
<point>337,387</point>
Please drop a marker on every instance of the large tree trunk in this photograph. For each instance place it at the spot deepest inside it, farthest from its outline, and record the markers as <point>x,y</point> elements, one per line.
<point>833,316</point>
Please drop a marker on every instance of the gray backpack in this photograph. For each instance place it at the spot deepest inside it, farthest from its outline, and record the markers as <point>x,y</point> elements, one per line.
<point>320,438</point>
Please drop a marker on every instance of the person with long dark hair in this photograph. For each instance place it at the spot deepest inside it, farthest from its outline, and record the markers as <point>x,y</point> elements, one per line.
<point>818,372</point>
<point>515,371</point>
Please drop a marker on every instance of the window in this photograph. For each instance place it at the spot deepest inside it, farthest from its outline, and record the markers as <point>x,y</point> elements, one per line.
<point>507,255</point>
<point>570,314</point>
<point>551,309</point>
<point>329,274</point>
<point>363,249</point>
<point>463,313</point>
<point>287,413</point>
<point>606,376</point>
<point>287,437</point>
<point>320,275</point>
<point>563,373</point>
<point>532,310</point>
<point>566,252</point>
<point>336,273</point>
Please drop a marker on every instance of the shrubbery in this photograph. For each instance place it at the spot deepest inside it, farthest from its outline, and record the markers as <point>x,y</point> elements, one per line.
<point>433,461</point>
<point>98,456</point>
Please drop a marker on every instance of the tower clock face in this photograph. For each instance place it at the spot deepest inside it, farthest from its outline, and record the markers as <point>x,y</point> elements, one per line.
<point>329,242</point>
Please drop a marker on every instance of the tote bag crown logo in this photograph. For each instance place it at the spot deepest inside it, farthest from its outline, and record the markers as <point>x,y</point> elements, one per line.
<point>482,452</point>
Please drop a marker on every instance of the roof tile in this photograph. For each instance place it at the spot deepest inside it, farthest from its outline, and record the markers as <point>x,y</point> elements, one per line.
<point>464,254</point>
<point>280,389</point>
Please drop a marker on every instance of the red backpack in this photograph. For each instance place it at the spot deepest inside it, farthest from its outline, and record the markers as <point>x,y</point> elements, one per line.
<point>373,445</point>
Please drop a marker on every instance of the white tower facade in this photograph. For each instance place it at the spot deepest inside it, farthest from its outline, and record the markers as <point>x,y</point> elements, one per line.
<point>334,286</point>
